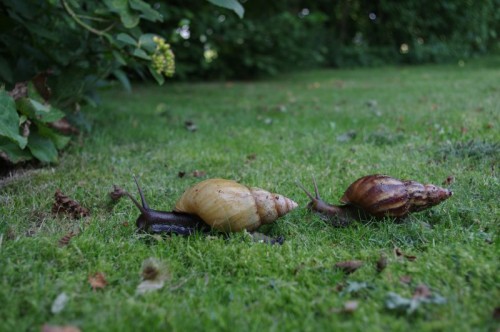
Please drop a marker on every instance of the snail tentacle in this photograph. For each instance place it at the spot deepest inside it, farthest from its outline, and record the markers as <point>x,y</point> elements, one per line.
<point>143,200</point>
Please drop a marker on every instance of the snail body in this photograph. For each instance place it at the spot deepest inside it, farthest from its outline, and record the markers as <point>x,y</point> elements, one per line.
<point>379,196</point>
<point>221,204</point>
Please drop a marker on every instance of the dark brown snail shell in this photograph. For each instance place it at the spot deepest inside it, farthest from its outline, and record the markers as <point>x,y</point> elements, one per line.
<point>379,196</point>
<point>382,195</point>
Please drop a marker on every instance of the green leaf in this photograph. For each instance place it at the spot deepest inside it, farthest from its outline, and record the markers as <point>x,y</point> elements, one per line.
<point>122,77</point>
<point>158,77</point>
<point>9,120</point>
<point>5,71</point>
<point>148,13</point>
<point>126,38</point>
<point>121,7</point>
<point>141,54</point>
<point>42,148</point>
<point>12,152</point>
<point>59,140</point>
<point>233,5</point>
<point>38,111</point>
<point>146,42</point>
<point>118,57</point>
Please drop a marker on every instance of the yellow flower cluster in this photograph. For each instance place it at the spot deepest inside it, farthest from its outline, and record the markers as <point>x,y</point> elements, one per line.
<point>163,60</point>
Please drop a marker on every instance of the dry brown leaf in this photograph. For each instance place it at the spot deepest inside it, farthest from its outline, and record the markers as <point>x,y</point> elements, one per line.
<point>350,306</point>
<point>199,174</point>
<point>64,241</point>
<point>405,279</point>
<point>65,205</point>
<point>400,254</point>
<point>382,263</point>
<point>59,328</point>
<point>349,266</point>
<point>117,193</point>
<point>421,291</point>
<point>251,157</point>
<point>97,281</point>
<point>449,180</point>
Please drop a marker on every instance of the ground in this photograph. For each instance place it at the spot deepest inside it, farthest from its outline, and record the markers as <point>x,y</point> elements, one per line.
<point>426,123</point>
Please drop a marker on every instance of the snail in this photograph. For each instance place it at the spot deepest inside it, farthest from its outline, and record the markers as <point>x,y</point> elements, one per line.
<point>224,205</point>
<point>377,196</point>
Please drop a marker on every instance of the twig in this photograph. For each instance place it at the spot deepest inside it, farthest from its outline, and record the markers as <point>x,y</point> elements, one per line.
<point>83,24</point>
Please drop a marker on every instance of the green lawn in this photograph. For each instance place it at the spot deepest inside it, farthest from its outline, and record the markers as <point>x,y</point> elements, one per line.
<point>421,123</point>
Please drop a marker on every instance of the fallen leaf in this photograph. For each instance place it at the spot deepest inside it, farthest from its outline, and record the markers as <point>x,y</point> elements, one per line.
<point>190,126</point>
<point>59,303</point>
<point>449,180</point>
<point>350,307</point>
<point>381,263</point>
<point>61,328</point>
<point>400,254</point>
<point>117,193</point>
<point>153,275</point>
<point>421,291</point>
<point>405,279</point>
<point>199,174</point>
<point>349,266</point>
<point>65,205</point>
<point>64,241</point>
<point>97,281</point>
<point>411,258</point>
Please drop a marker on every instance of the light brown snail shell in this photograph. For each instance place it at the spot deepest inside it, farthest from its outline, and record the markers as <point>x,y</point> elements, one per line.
<point>232,207</point>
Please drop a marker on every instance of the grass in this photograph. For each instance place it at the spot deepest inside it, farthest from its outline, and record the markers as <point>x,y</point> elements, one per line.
<point>423,123</point>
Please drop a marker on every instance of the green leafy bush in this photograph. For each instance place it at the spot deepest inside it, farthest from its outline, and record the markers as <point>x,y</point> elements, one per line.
<point>67,48</point>
<point>53,54</point>
<point>212,44</point>
<point>29,128</point>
